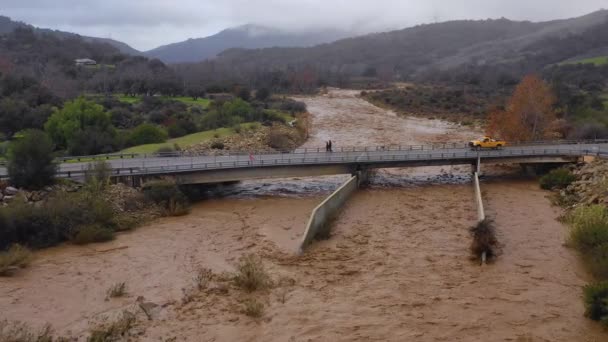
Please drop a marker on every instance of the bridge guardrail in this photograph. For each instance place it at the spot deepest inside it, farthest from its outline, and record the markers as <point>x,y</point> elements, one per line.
<point>359,149</point>
<point>336,158</point>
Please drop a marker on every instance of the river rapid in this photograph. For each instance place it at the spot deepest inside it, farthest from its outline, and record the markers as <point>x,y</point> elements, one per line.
<point>396,268</point>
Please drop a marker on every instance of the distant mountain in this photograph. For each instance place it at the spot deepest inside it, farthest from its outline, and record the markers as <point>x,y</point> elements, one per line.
<point>427,51</point>
<point>7,25</point>
<point>247,36</point>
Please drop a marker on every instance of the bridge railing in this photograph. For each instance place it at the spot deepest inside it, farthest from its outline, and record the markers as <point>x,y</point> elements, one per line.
<point>360,149</point>
<point>371,157</point>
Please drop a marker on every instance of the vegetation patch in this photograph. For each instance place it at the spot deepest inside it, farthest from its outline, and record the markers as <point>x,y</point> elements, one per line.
<point>168,195</point>
<point>251,275</point>
<point>22,332</point>
<point>15,258</point>
<point>557,179</point>
<point>484,239</point>
<point>117,290</point>
<point>253,308</point>
<point>113,330</point>
<point>596,301</point>
<point>91,234</point>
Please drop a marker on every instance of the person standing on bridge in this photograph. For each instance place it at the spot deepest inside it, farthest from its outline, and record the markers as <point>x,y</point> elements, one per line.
<point>251,157</point>
<point>329,146</point>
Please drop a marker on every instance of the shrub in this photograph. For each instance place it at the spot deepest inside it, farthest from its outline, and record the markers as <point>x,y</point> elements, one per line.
<point>97,176</point>
<point>237,129</point>
<point>114,330</point>
<point>589,227</point>
<point>484,239</point>
<point>168,195</point>
<point>279,140</point>
<point>217,145</point>
<point>91,234</point>
<point>117,290</point>
<point>251,275</point>
<point>558,178</point>
<point>597,261</point>
<point>21,332</point>
<point>31,161</point>
<point>596,301</point>
<point>253,308</point>
<point>147,134</point>
<point>262,94</point>
<point>59,219</point>
<point>203,278</point>
<point>15,258</point>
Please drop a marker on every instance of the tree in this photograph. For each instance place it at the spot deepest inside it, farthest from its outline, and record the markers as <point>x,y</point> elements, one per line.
<point>262,94</point>
<point>529,114</point>
<point>147,134</point>
<point>31,161</point>
<point>78,118</point>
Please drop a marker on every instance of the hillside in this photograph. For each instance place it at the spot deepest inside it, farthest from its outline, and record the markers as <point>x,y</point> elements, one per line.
<point>247,36</point>
<point>7,25</point>
<point>435,51</point>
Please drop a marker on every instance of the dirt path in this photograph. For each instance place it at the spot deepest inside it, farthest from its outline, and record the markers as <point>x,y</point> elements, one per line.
<point>397,266</point>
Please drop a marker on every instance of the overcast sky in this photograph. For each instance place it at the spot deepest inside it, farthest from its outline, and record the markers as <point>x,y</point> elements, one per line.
<point>145,24</point>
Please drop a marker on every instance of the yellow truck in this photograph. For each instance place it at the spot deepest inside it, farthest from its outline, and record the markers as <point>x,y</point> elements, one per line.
<point>487,142</point>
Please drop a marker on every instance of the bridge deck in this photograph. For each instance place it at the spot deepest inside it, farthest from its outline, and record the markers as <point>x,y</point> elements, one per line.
<point>244,166</point>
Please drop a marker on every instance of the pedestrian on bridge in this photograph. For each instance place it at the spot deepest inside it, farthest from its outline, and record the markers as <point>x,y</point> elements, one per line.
<point>329,146</point>
<point>251,157</point>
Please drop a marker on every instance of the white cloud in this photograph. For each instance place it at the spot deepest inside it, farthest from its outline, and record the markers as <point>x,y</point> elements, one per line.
<point>148,23</point>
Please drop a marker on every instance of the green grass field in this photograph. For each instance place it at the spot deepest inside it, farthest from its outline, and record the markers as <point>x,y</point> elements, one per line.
<point>603,60</point>
<point>187,140</point>
<point>184,99</point>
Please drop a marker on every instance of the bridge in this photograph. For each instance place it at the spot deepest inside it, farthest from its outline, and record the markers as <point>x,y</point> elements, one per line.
<point>197,169</point>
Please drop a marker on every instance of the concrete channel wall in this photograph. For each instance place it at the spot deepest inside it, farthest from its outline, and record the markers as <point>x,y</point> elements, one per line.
<point>319,224</point>
<point>481,214</point>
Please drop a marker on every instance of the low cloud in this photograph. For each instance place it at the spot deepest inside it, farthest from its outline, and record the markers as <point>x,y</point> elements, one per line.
<point>148,23</point>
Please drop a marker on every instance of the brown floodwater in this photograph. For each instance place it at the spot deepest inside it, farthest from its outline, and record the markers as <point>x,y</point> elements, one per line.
<point>396,267</point>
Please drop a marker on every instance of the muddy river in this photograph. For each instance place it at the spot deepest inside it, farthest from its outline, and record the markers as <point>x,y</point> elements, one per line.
<point>396,268</point>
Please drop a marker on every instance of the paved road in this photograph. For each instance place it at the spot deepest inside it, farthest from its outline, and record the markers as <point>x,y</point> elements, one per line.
<point>374,155</point>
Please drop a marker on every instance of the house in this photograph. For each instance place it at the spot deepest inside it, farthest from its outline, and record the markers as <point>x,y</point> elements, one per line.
<point>85,61</point>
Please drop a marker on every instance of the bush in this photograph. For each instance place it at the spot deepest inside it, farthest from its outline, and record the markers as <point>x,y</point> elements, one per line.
<point>279,140</point>
<point>217,145</point>
<point>31,162</point>
<point>253,308</point>
<point>596,301</point>
<point>60,219</point>
<point>597,261</point>
<point>91,234</point>
<point>557,179</point>
<point>114,330</point>
<point>484,239</point>
<point>21,332</point>
<point>147,134</point>
<point>251,275</point>
<point>589,227</point>
<point>117,290</point>
<point>168,195</point>
<point>15,258</point>
<point>97,176</point>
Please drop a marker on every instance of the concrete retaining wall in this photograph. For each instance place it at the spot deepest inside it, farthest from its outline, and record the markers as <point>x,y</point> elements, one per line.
<point>319,224</point>
<point>481,214</point>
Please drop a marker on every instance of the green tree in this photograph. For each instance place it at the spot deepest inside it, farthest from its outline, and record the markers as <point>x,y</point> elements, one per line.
<point>147,134</point>
<point>79,118</point>
<point>31,161</point>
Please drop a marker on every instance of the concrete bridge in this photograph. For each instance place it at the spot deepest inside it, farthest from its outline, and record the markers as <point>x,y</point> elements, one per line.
<point>193,169</point>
